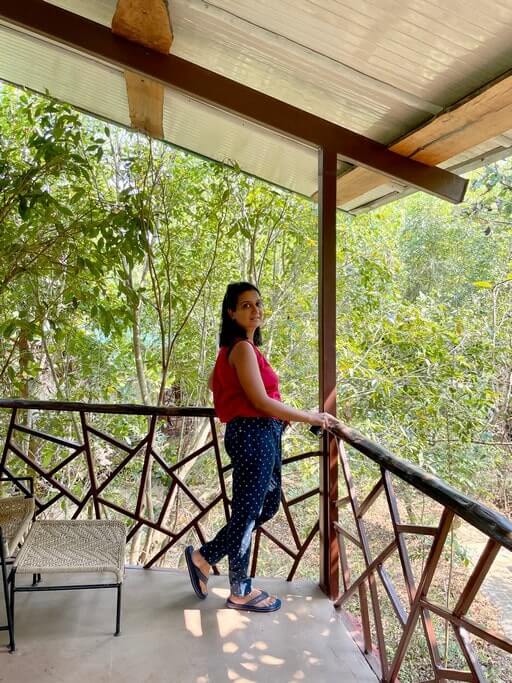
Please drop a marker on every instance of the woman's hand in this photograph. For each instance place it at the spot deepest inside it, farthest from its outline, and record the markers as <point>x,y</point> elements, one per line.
<point>323,420</point>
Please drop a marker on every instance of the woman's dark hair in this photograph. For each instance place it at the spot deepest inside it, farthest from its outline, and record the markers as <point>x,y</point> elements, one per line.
<point>229,328</point>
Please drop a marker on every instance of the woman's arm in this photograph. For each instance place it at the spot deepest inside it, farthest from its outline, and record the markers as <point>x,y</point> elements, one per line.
<point>210,380</point>
<point>243,358</point>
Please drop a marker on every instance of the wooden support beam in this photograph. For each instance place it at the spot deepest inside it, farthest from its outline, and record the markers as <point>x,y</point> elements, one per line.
<point>329,557</point>
<point>477,118</point>
<point>145,103</point>
<point>146,22</point>
<point>68,29</point>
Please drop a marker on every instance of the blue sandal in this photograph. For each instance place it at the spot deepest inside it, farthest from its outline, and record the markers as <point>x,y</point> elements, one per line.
<point>253,605</point>
<point>195,574</point>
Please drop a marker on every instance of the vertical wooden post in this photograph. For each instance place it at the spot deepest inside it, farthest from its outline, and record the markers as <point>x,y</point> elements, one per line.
<point>329,566</point>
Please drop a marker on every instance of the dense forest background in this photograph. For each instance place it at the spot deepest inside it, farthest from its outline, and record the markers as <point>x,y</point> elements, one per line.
<point>116,251</point>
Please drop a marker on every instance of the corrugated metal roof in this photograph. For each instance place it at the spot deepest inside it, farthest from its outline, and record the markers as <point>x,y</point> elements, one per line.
<point>378,67</point>
<point>227,138</point>
<point>100,89</point>
<point>66,75</point>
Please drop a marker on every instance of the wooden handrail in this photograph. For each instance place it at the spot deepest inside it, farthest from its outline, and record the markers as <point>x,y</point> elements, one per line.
<point>491,523</point>
<point>112,408</point>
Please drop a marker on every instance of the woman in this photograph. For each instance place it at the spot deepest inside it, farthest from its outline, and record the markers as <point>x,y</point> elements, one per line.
<point>246,397</point>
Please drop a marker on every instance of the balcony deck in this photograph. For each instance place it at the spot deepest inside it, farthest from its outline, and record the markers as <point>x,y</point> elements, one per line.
<point>168,635</point>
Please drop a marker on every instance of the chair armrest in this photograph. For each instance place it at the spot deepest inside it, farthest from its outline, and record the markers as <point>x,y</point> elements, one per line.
<point>16,513</point>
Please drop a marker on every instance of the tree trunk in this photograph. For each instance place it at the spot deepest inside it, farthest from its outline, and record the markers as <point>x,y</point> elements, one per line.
<point>200,438</point>
<point>135,550</point>
<point>25,418</point>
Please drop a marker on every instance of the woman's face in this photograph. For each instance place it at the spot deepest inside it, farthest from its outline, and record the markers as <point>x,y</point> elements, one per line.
<point>249,310</point>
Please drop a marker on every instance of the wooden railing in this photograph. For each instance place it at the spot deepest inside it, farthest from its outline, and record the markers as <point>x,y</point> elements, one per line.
<point>374,579</point>
<point>408,595</point>
<point>92,493</point>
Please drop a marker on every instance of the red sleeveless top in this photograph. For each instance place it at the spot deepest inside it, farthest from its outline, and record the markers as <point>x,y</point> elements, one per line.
<point>229,398</point>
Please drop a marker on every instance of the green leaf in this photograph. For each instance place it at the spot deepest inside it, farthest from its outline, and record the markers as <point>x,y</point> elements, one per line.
<point>80,192</point>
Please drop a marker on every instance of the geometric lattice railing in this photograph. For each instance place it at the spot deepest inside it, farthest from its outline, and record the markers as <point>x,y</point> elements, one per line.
<point>72,472</point>
<point>408,595</point>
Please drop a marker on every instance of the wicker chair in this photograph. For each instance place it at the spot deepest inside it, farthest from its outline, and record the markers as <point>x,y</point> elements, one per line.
<point>16,513</point>
<point>76,546</point>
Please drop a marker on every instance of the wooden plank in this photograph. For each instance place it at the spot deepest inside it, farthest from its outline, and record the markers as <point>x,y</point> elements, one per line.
<point>487,635</point>
<point>371,567</point>
<point>90,465</point>
<point>146,466</point>
<point>371,497</point>
<point>454,674</point>
<point>289,519</point>
<point>345,567</point>
<point>42,473</point>
<point>469,653</point>
<point>68,29</point>
<point>301,552</point>
<point>146,22</point>
<point>346,534</point>
<point>423,587</point>
<point>10,429</point>
<point>342,502</point>
<point>394,598</point>
<point>327,164</point>
<point>357,183</point>
<point>110,408</point>
<point>476,119</point>
<point>145,104</point>
<point>407,568</point>
<point>304,496</point>
<point>461,127</point>
<point>365,618</point>
<point>416,529</point>
<point>47,437</point>
<point>220,473</point>
<point>477,577</point>
<point>402,546</point>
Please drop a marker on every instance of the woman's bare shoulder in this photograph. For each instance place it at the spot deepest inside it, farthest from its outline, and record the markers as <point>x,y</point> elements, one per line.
<point>242,351</point>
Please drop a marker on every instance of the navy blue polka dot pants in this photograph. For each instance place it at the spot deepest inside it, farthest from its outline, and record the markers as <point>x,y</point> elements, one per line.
<point>254,446</point>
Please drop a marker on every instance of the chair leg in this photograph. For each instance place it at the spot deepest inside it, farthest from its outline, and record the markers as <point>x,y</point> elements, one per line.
<point>10,626</point>
<point>12,579</point>
<point>118,610</point>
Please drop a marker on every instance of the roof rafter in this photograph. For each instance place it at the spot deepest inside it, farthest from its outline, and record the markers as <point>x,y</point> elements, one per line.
<point>68,29</point>
<point>478,117</point>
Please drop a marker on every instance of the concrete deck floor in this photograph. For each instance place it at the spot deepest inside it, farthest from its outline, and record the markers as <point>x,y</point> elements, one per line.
<point>169,636</point>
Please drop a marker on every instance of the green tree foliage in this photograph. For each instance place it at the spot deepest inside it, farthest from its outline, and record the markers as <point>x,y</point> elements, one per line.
<point>116,251</point>
<point>424,352</point>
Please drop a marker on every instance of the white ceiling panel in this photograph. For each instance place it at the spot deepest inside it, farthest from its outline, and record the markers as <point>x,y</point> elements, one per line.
<point>378,67</point>
<point>226,138</point>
